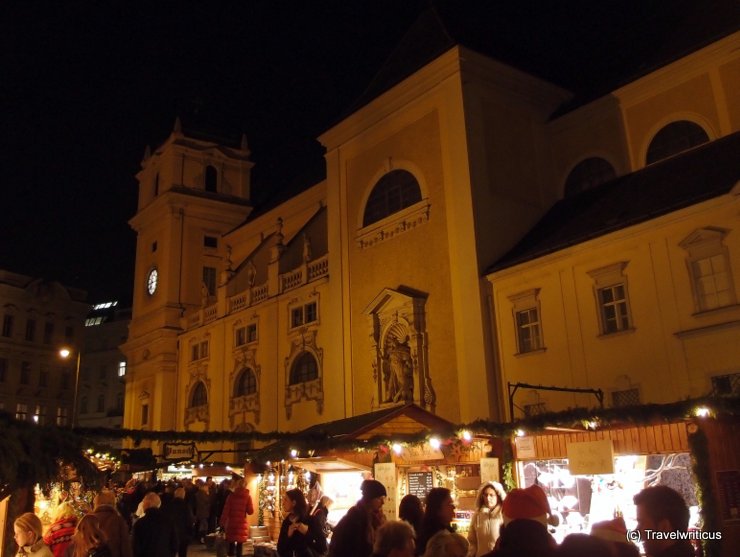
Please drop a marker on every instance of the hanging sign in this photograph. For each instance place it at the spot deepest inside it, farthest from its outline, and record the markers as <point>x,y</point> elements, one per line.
<point>179,451</point>
<point>420,453</point>
<point>525,447</point>
<point>489,470</point>
<point>420,483</point>
<point>591,457</point>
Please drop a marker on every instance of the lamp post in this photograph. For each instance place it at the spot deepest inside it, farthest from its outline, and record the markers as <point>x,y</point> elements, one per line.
<point>65,353</point>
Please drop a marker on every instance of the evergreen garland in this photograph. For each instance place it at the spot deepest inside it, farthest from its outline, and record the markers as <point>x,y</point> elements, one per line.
<point>699,446</point>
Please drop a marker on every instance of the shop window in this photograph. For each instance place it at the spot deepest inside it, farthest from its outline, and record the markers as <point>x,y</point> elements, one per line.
<point>526,310</point>
<point>211,181</point>
<point>610,286</point>
<point>588,174</point>
<point>708,261</point>
<point>395,191</point>
<point>626,397</point>
<point>303,315</point>
<point>304,368</point>
<point>62,416</point>
<point>246,383</point>
<point>726,385</point>
<point>199,396</point>
<point>675,138</point>
<point>40,416</point>
<point>21,411</point>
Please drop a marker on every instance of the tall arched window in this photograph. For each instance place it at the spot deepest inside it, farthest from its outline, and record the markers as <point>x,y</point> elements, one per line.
<point>246,383</point>
<point>199,396</point>
<point>394,191</point>
<point>211,178</point>
<point>674,138</point>
<point>588,173</point>
<point>304,369</point>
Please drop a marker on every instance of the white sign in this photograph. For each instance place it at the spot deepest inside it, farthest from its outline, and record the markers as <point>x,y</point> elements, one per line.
<point>591,457</point>
<point>385,473</point>
<point>525,447</point>
<point>489,470</point>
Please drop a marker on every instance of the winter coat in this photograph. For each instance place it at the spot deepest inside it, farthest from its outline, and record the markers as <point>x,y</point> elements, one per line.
<point>39,549</point>
<point>116,530</point>
<point>354,534</point>
<point>202,505</point>
<point>182,517</point>
<point>485,526</point>
<point>100,551</point>
<point>59,535</point>
<point>310,544</point>
<point>154,535</point>
<point>234,516</point>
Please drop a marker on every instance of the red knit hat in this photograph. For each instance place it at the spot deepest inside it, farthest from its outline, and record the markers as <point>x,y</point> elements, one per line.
<point>610,530</point>
<point>530,503</point>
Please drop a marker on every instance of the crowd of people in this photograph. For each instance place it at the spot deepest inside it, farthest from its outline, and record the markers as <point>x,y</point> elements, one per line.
<point>142,519</point>
<point>161,520</point>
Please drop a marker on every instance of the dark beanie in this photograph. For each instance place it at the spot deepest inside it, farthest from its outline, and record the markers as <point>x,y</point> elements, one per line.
<point>372,489</point>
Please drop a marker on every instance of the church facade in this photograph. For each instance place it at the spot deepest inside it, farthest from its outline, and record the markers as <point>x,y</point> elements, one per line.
<point>396,279</point>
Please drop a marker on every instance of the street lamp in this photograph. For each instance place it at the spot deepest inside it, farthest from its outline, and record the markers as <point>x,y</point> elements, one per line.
<point>65,353</point>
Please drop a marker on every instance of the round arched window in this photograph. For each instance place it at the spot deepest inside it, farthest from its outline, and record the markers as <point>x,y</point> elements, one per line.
<point>305,368</point>
<point>246,383</point>
<point>199,396</point>
<point>394,191</point>
<point>674,138</point>
<point>588,173</point>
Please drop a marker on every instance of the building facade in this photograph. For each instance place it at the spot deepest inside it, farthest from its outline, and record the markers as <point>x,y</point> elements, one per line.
<point>378,286</point>
<point>39,318</point>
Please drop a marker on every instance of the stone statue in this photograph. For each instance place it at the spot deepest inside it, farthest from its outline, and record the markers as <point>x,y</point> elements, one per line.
<point>400,375</point>
<point>306,249</point>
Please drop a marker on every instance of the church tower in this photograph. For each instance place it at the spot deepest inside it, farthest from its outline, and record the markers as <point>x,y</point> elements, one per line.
<point>192,190</point>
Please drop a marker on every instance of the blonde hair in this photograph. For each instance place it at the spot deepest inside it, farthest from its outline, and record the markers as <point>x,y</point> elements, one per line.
<point>88,535</point>
<point>63,510</point>
<point>441,544</point>
<point>29,522</point>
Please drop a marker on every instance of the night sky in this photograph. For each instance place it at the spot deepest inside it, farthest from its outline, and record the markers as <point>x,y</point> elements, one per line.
<point>85,86</point>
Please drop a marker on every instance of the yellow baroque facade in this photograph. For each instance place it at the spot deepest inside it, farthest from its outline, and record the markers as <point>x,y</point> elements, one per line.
<point>389,282</point>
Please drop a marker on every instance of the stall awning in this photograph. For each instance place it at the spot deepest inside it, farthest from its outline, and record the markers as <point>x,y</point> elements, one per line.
<point>325,464</point>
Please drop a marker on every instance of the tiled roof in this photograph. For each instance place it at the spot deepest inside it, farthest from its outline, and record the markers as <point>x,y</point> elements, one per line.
<point>697,175</point>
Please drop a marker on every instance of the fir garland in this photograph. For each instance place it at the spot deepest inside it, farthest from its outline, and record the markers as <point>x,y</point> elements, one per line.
<point>699,447</point>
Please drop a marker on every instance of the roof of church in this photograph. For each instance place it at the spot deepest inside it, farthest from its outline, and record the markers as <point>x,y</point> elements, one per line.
<point>589,48</point>
<point>691,177</point>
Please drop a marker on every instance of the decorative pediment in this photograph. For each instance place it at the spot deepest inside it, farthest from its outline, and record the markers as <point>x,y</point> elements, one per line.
<point>703,236</point>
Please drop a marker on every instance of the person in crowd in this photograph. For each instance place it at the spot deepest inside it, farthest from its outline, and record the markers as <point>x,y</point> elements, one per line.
<point>411,510</point>
<point>182,517</point>
<point>59,534</point>
<point>27,530</point>
<point>446,544</point>
<point>112,524</point>
<point>234,517</point>
<point>395,538</point>
<point>662,509</point>
<point>154,534</point>
<point>438,515</point>
<point>89,539</point>
<point>583,545</point>
<point>300,535</point>
<point>526,513</point>
<point>615,533</point>
<point>355,533</point>
<point>321,514</point>
<point>314,492</point>
<point>212,516</point>
<point>222,492</point>
<point>202,510</point>
<point>485,524</point>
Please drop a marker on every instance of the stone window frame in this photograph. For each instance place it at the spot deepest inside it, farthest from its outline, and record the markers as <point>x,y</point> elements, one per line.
<point>607,278</point>
<point>527,301</point>
<point>702,245</point>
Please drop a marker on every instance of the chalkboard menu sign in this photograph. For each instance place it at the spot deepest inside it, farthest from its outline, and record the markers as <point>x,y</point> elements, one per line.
<point>420,483</point>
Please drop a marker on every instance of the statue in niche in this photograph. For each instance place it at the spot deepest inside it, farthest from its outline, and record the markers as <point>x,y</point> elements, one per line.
<point>251,273</point>
<point>399,374</point>
<point>306,249</point>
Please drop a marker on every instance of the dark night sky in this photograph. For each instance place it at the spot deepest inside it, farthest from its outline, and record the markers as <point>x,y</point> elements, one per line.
<point>85,86</point>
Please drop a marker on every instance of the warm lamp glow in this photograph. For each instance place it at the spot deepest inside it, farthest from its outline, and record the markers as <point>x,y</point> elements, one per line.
<point>293,453</point>
<point>435,443</point>
<point>466,435</point>
<point>702,412</point>
<point>397,448</point>
<point>65,353</point>
<point>520,433</point>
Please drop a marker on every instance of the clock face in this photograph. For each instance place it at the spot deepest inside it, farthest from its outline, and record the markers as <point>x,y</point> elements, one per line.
<point>151,281</point>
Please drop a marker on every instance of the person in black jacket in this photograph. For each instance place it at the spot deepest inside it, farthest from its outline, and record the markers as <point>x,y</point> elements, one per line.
<point>154,534</point>
<point>182,517</point>
<point>355,534</point>
<point>300,535</point>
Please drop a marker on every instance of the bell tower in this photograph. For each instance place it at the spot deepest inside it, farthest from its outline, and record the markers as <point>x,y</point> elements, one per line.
<point>192,189</point>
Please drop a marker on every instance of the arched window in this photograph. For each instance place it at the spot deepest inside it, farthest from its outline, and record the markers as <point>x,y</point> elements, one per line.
<point>211,178</point>
<point>304,369</point>
<point>246,383</point>
<point>588,173</point>
<point>394,191</point>
<point>199,396</point>
<point>674,138</point>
